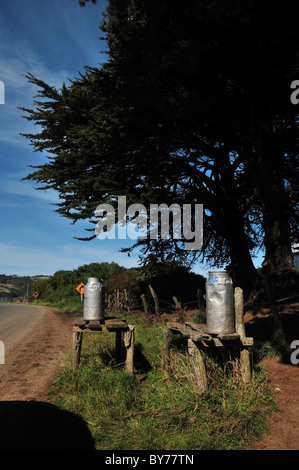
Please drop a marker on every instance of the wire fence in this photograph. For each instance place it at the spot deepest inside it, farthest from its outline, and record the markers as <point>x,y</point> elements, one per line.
<point>148,302</point>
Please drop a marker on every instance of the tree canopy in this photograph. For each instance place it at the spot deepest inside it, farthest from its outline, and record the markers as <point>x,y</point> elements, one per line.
<point>192,106</point>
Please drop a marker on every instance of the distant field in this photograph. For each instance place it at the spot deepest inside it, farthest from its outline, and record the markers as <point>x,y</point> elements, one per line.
<point>19,288</point>
<point>5,288</point>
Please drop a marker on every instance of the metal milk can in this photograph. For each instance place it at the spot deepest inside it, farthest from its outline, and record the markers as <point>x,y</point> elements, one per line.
<point>94,300</point>
<point>220,317</point>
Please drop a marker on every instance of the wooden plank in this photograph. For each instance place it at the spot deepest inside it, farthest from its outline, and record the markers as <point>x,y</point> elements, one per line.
<point>196,326</point>
<point>80,322</point>
<point>115,324</point>
<point>188,331</point>
<point>217,342</point>
<point>94,325</point>
<point>228,337</point>
<point>247,341</point>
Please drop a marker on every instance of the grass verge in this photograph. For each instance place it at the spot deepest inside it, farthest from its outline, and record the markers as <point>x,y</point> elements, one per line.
<point>158,411</point>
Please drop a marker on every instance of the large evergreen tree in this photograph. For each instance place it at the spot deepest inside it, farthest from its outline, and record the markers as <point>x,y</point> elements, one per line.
<point>193,106</point>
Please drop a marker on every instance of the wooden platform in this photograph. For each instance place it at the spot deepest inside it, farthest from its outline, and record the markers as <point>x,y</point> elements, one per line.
<point>199,337</point>
<point>198,332</point>
<point>111,325</point>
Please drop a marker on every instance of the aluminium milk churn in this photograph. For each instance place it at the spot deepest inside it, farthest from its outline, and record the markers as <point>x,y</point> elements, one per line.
<point>220,316</point>
<point>94,300</point>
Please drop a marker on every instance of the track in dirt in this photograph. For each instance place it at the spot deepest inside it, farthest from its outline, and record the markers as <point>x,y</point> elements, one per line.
<point>28,421</point>
<point>30,364</point>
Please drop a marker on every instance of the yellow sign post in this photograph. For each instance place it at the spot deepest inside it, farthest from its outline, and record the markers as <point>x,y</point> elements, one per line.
<point>80,289</point>
<point>35,294</point>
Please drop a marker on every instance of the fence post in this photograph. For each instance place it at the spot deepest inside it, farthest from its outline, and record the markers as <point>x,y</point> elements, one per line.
<point>144,303</point>
<point>240,330</point>
<point>155,299</point>
<point>127,300</point>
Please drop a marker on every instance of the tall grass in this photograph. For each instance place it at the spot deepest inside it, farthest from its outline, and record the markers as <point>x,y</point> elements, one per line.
<point>162,411</point>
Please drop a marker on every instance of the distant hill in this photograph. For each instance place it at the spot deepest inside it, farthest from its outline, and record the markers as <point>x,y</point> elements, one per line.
<point>18,286</point>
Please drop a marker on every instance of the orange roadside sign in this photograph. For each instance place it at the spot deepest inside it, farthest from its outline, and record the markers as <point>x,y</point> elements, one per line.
<point>80,288</point>
<point>35,294</point>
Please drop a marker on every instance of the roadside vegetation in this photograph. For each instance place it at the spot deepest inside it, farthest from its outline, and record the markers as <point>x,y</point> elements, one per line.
<point>167,279</point>
<point>155,410</point>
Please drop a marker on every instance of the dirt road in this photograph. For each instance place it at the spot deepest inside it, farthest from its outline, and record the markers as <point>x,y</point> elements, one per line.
<point>28,420</point>
<point>284,425</point>
<point>34,348</point>
<point>16,321</point>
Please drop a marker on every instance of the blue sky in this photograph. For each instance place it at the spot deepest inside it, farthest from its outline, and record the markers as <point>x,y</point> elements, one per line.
<point>53,40</point>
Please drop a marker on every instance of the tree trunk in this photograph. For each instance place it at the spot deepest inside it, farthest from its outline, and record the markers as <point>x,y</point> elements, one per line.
<point>231,224</point>
<point>241,269</point>
<point>269,182</point>
<point>278,253</point>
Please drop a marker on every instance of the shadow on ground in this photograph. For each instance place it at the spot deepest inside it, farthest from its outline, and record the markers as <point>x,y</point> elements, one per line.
<point>260,325</point>
<point>33,425</point>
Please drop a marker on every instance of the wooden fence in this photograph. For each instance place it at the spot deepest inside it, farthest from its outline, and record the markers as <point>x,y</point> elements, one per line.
<point>149,302</point>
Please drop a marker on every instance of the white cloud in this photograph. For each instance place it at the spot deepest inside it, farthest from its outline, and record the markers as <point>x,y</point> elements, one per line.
<point>11,184</point>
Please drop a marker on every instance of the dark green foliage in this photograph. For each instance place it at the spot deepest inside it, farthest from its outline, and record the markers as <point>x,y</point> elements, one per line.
<point>193,106</point>
<point>167,280</point>
<point>60,289</point>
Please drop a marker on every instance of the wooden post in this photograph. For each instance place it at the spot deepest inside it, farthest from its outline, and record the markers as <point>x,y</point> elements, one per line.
<point>240,330</point>
<point>155,297</point>
<point>198,366</point>
<point>117,299</point>
<point>181,312</point>
<point>127,300</point>
<point>144,303</point>
<point>129,344</point>
<point>165,363</point>
<point>177,303</point>
<point>77,343</point>
<point>118,346</point>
